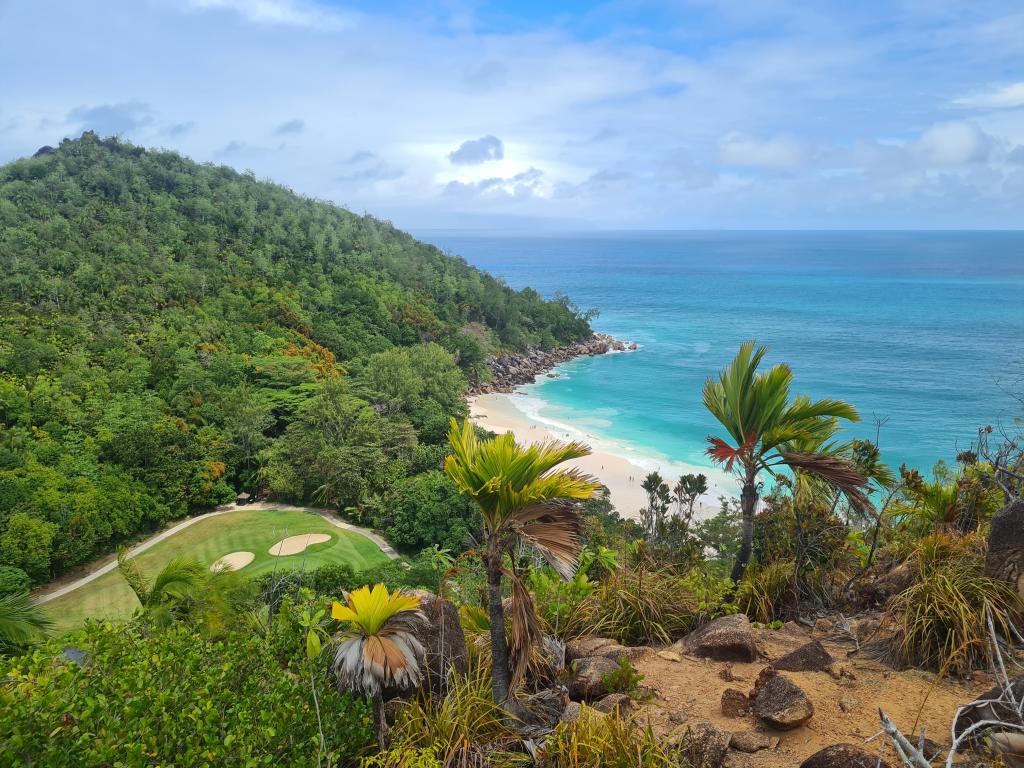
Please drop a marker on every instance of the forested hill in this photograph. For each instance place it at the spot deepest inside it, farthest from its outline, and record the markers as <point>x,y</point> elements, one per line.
<point>171,333</point>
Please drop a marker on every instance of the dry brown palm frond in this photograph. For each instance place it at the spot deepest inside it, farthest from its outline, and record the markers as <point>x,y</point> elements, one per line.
<point>525,632</point>
<point>553,527</point>
<point>834,470</point>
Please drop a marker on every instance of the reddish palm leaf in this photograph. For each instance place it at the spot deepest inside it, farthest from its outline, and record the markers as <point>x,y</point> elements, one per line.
<point>724,453</point>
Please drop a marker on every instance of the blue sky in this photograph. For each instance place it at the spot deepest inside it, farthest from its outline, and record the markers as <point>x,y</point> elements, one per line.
<point>536,115</point>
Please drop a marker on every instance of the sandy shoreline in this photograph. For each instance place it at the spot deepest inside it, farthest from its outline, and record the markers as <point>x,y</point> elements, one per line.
<point>622,475</point>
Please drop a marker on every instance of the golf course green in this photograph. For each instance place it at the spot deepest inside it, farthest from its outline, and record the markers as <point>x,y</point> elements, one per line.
<point>242,530</point>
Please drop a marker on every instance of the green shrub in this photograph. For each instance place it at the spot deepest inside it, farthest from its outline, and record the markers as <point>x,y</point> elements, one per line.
<point>764,590</point>
<point>941,620</point>
<point>606,741</point>
<point>403,758</point>
<point>625,679</point>
<point>465,728</point>
<point>170,698</point>
<point>637,606</point>
<point>13,580</point>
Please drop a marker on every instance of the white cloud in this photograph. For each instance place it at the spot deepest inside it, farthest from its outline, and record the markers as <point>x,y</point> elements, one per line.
<point>776,153</point>
<point>1006,97</point>
<point>297,13</point>
<point>952,144</point>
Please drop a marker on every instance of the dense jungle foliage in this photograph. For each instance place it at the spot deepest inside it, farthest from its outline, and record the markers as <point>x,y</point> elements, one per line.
<point>172,333</point>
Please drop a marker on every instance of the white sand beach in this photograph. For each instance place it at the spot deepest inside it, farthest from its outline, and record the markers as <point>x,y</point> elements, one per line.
<point>621,475</point>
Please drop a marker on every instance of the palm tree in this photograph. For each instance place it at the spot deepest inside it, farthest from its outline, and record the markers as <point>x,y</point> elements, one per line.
<point>522,497</point>
<point>762,420</point>
<point>21,621</point>
<point>378,650</point>
<point>164,598</point>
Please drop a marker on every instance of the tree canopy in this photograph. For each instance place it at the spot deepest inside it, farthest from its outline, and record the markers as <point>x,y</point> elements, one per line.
<point>172,333</point>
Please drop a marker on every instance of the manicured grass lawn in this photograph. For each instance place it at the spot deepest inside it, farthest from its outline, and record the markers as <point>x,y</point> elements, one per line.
<point>251,530</point>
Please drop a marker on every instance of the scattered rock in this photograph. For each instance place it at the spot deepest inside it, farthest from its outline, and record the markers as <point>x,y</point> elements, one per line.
<point>810,657</point>
<point>615,702</point>
<point>678,718</point>
<point>707,745</point>
<point>735,760</point>
<point>844,756</point>
<point>735,703</point>
<point>585,647</point>
<point>751,741</point>
<point>781,704</point>
<point>730,638</point>
<point>823,627</point>
<point>444,642</point>
<point>981,708</point>
<point>841,672</point>
<point>726,673</point>
<point>588,684</point>
<point>670,656</point>
<point>592,647</point>
<point>847,703</point>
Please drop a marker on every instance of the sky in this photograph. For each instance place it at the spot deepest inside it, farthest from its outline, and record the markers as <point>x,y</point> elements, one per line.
<point>533,116</point>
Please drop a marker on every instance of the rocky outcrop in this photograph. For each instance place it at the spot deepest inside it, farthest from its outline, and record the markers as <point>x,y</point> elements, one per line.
<point>706,745</point>
<point>781,703</point>
<point>511,371</point>
<point>589,683</point>
<point>810,657</point>
<point>992,705</point>
<point>730,638</point>
<point>1005,558</point>
<point>444,642</point>
<point>844,756</point>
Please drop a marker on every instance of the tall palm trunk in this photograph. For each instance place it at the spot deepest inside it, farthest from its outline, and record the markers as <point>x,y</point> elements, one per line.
<point>500,675</point>
<point>748,504</point>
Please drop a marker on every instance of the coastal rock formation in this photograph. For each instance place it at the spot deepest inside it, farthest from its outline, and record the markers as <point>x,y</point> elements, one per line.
<point>511,371</point>
<point>729,638</point>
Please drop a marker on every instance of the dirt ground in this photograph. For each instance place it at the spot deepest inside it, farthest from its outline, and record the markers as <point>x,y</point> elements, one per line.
<point>690,690</point>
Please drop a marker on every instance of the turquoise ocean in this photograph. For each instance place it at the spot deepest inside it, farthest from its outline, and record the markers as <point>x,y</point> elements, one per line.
<point>924,330</point>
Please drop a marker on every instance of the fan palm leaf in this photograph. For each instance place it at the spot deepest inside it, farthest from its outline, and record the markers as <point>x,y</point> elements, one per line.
<point>378,649</point>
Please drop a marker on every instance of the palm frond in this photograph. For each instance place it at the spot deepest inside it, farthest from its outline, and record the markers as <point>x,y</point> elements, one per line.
<point>836,471</point>
<point>21,621</point>
<point>553,528</point>
<point>181,577</point>
<point>525,629</point>
<point>130,572</point>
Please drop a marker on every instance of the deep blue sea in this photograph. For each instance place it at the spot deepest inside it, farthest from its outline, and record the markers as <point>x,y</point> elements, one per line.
<point>922,329</point>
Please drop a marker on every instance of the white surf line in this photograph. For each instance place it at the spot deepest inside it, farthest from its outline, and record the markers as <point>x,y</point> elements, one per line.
<point>326,514</point>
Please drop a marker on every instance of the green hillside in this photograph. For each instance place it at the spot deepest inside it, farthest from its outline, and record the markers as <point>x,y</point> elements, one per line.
<point>173,332</point>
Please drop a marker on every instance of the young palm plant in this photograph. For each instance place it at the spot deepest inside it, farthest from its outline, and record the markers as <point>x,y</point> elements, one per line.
<point>164,598</point>
<point>378,650</point>
<point>761,418</point>
<point>21,622</point>
<point>522,497</point>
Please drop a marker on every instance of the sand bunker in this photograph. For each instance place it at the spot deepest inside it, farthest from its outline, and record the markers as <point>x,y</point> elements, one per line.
<point>236,561</point>
<point>293,545</point>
